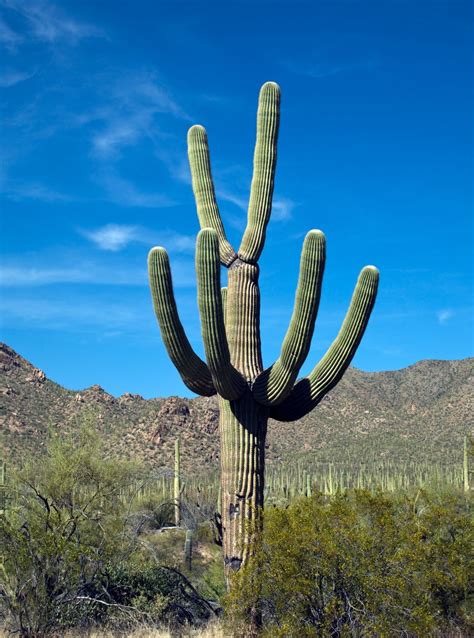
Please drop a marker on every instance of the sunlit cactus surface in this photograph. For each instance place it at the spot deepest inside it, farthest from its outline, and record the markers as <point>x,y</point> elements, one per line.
<point>248,394</point>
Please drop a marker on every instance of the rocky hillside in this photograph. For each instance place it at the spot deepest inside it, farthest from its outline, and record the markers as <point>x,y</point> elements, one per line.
<point>421,412</point>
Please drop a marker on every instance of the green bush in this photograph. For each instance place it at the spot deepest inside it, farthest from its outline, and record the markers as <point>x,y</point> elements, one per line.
<point>71,550</point>
<point>157,593</point>
<point>361,565</point>
<point>66,520</point>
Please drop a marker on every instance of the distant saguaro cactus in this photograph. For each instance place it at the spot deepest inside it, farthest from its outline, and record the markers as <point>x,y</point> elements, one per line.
<point>188,549</point>
<point>177,484</point>
<point>230,321</point>
<point>3,497</point>
<point>465,465</point>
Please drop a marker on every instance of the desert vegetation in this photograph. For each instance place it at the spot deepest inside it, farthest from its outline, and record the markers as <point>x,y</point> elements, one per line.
<point>79,546</point>
<point>88,544</point>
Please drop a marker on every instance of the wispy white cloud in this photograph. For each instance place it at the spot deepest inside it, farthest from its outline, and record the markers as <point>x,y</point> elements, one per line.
<point>120,132</point>
<point>149,91</point>
<point>174,242</point>
<point>231,197</point>
<point>115,237</point>
<point>282,209</point>
<point>236,221</point>
<point>444,315</point>
<point>61,314</point>
<point>129,114</point>
<point>124,192</point>
<point>175,161</point>
<point>117,190</point>
<point>47,23</point>
<point>18,191</point>
<point>11,77</point>
<point>87,271</point>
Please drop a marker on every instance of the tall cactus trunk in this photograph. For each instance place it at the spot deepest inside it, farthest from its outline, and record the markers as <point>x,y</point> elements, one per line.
<point>243,421</point>
<point>230,326</point>
<point>243,428</point>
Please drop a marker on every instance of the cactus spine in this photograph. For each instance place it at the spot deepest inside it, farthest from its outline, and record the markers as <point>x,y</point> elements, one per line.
<point>230,322</point>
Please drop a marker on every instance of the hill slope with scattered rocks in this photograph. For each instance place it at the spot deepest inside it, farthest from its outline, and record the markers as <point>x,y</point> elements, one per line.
<point>421,412</point>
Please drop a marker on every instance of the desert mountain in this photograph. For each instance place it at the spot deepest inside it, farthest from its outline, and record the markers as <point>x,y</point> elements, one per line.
<point>418,413</point>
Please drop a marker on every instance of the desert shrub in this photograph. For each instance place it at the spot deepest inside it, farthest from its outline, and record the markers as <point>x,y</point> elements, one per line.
<point>159,594</point>
<point>71,551</point>
<point>361,565</point>
<point>67,519</point>
<point>153,512</point>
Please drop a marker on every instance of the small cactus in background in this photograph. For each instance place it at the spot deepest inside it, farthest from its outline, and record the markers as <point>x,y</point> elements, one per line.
<point>188,550</point>
<point>466,465</point>
<point>3,487</point>
<point>177,484</point>
<point>230,321</point>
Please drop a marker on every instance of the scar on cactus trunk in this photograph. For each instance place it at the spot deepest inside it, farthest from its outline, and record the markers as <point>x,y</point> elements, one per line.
<point>230,322</point>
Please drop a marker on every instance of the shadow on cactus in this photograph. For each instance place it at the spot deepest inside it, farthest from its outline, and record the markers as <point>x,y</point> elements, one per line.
<point>230,319</point>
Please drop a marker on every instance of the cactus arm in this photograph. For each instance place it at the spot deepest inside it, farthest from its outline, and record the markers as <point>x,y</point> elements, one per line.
<point>276,382</point>
<point>192,369</point>
<point>309,391</point>
<point>203,187</point>
<point>261,191</point>
<point>228,382</point>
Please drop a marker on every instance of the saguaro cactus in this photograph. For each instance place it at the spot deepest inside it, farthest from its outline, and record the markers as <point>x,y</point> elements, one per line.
<point>230,320</point>
<point>177,484</point>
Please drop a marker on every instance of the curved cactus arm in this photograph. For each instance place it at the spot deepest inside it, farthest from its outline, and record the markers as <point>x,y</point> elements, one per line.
<point>309,391</point>
<point>228,382</point>
<point>192,369</point>
<point>276,382</point>
<point>264,163</point>
<point>203,187</point>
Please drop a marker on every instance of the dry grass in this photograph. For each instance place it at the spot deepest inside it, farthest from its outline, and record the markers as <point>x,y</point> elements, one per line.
<point>213,630</point>
<point>208,632</point>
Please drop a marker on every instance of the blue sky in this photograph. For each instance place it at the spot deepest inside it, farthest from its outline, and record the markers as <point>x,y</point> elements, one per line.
<point>375,149</point>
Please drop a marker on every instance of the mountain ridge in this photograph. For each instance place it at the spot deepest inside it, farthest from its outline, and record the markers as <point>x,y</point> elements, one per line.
<point>419,412</point>
<point>5,348</point>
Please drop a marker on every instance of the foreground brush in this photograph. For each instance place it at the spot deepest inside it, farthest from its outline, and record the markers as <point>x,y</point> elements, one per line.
<point>230,320</point>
